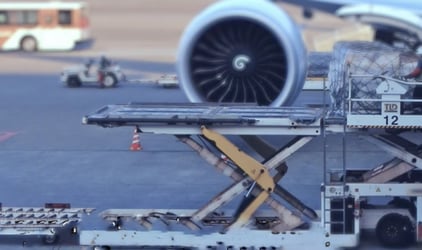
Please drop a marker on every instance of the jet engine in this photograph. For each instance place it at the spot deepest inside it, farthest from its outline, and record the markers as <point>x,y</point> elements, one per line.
<point>242,51</point>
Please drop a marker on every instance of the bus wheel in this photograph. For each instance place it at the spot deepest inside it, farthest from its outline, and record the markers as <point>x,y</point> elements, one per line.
<point>73,81</point>
<point>29,44</point>
<point>395,230</point>
<point>109,81</point>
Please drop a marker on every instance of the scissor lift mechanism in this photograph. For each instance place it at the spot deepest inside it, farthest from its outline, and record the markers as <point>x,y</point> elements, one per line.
<point>258,180</point>
<point>210,123</point>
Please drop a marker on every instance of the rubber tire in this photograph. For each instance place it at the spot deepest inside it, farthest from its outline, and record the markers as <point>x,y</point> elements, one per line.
<point>29,44</point>
<point>109,81</point>
<point>73,82</point>
<point>395,230</point>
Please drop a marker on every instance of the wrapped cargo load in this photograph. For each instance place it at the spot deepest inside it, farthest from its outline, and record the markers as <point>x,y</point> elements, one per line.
<point>364,58</point>
<point>318,64</point>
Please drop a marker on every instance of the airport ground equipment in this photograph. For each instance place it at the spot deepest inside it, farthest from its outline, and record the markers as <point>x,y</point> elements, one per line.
<point>286,222</point>
<point>47,221</point>
<point>168,81</point>
<point>164,80</point>
<point>346,209</point>
<point>92,72</point>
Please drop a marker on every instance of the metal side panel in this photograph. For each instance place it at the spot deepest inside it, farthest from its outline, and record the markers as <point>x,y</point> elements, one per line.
<point>383,189</point>
<point>368,121</point>
<point>313,238</point>
<point>188,118</point>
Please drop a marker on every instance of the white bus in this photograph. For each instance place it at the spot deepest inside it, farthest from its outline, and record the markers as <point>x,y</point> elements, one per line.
<point>32,26</point>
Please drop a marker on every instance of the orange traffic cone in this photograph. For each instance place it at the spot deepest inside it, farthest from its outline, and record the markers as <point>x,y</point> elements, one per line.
<point>136,145</point>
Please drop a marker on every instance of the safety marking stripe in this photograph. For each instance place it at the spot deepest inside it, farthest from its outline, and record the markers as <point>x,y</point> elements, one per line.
<point>382,126</point>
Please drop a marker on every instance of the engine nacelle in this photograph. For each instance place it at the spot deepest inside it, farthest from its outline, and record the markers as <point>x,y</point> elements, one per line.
<point>243,51</point>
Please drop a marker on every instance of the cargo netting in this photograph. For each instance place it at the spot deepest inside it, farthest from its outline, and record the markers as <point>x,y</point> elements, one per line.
<point>364,58</point>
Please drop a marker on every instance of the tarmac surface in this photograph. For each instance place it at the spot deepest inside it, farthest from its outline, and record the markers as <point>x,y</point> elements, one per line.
<point>47,155</point>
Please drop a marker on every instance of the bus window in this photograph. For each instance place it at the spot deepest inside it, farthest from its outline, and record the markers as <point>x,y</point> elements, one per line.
<point>65,17</point>
<point>24,17</point>
<point>31,17</point>
<point>3,17</point>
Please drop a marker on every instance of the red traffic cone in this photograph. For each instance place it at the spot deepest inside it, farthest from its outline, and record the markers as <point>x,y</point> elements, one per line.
<point>136,145</point>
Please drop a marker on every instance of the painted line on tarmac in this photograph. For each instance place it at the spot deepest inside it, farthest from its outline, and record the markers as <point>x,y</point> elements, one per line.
<point>7,135</point>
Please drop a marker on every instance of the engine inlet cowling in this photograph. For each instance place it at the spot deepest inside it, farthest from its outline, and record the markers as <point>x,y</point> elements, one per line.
<point>243,51</point>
